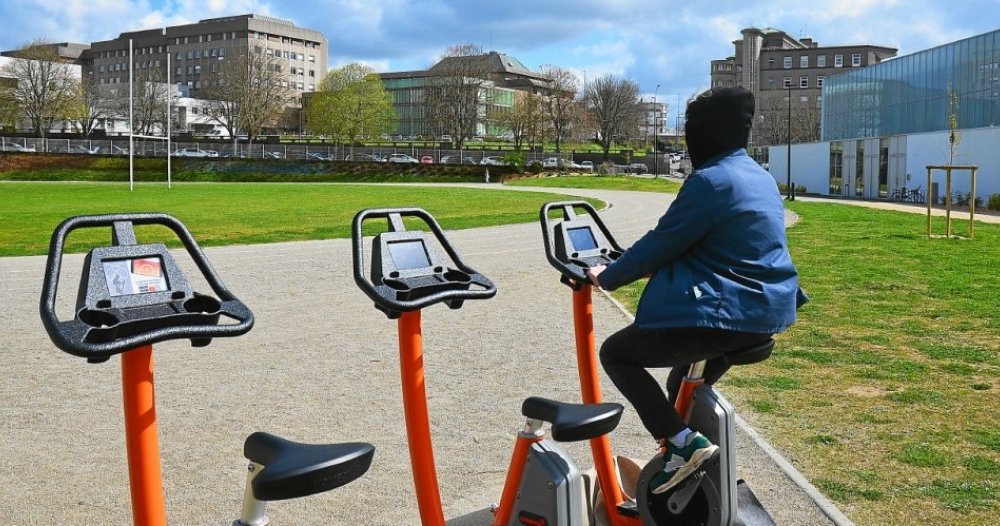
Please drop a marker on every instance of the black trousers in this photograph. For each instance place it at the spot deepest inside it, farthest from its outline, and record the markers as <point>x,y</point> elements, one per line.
<point>627,354</point>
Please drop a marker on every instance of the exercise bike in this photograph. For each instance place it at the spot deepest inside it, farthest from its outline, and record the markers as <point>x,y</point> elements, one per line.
<point>408,273</point>
<point>712,495</point>
<point>133,295</point>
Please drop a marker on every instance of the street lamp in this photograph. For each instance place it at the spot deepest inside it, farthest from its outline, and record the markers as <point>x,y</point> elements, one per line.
<point>656,172</point>
<point>790,189</point>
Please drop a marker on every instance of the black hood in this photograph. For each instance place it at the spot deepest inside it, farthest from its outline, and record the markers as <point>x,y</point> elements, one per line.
<point>717,121</point>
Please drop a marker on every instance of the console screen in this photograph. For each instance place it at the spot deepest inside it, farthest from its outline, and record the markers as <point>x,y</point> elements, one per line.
<point>135,276</point>
<point>582,239</point>
<point>409,254</point>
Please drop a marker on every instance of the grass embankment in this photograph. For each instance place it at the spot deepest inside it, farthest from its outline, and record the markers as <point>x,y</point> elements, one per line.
<point>635,184</point>
<point>223,214</point>
<point>885,393</point>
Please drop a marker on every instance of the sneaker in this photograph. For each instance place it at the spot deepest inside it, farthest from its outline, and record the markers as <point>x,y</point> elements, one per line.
<point>682,462</point>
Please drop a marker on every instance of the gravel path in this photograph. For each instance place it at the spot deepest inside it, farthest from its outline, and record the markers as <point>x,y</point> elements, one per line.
<point>321,365</point>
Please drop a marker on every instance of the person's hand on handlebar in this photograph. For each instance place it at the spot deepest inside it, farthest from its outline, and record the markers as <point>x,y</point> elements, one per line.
<point>593,272</point>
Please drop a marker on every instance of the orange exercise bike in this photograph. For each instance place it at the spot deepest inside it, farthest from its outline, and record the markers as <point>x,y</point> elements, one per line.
<point>408,273</point>
<point>133,295</point>
<point>575,239</point>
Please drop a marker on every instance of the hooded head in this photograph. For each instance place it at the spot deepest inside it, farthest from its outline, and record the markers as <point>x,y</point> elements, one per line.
<point>717,121</point>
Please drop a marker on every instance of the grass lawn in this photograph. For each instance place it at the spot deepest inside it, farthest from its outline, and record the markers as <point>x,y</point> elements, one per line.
<point>635,184</point>
<point>885,393</point>
<point>224,214</point>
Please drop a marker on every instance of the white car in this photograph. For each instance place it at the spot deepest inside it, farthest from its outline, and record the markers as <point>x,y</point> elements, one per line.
<point>492,161</point>
<point>587,165</point>
<point>402,158</point>
<point>558,162</point>
<point>79,148</point>
<point>14,147</point>
<point>273,155</point>
<point>195,152</point>
<point>316,156</point>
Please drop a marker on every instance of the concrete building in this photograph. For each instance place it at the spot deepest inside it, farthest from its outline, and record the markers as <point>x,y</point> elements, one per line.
<point>786,75</point>
<point>505,75</point>
<point>654,119</point>
<point>197,51</point>
<point>884,124</point>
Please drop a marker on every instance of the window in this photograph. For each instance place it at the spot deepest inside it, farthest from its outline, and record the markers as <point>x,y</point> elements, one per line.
<point>100,68</point>
<point>212,52</point>
<point>820,61</point>
<point>803,99</point>
<point>788,62</point>
<point>178,56</point>
<point>190,55</point>
<point>838,61</point>
<point>197,70</point>
<point>179,71</point>
<point>222,51</point>
<point>804,61</point>
<point>788,82</point>
<point>770,63</point>
<point>312,58</point>
<point>819,80</point>
<point>803,81</point>
<point>312,73</point>
<point>197,53</point>
<point>201,38</point>
<point>856,59</point>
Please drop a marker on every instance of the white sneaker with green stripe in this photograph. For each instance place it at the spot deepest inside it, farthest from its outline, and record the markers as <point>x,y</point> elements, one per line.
<point>681,462</point>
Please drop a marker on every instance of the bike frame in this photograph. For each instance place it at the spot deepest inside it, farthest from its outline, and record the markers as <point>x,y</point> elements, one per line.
<point>590,387</point>
<point>141,440</point>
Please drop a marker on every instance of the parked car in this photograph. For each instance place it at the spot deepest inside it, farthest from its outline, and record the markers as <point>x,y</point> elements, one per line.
<point>79,148</point>
<point>195,152</point>
<point>118,150</point>
<point>14,147</point>
<point>638,168</point>
<point>559,162</point>
<point>316,156</point>
<point>492,161</point>
<point>363,158</point>
<point>274,155</point>
<point>446,138</point>
<point>402,158</point>
<point>456,159</point>
<point>587,165</point>
<point>427,159</point>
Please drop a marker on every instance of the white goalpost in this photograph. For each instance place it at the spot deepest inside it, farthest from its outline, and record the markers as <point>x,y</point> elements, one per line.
<point>131,135</point>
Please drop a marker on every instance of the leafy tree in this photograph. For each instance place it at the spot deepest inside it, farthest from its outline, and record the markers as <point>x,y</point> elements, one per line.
<point>88,106</point>
<point>613,104</point>
<point>524,121</point>
<point>249,93</point>
<point>560,104</point>
<point>45,84</point>
<point>351,103</point>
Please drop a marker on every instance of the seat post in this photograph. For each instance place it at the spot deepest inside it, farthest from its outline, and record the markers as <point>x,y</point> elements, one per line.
<point>252,512</point>
<point>694,379</point>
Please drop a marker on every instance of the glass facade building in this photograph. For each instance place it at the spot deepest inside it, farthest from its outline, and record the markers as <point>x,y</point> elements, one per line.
<point>917,93</point>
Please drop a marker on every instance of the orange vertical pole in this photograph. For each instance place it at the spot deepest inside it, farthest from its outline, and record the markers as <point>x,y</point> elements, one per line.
<point>514,474</point>
<point>141,443</point>
<point>590,386</point>
<point>685,395</point>
<point>418,428</point>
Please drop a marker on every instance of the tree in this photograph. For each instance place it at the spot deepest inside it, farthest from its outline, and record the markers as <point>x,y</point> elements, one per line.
<point>613,103</point>
<point>249,93</point>
<point>456,90</point>
<point>351,102</point>
<point>9,110</point>
<point>771,124</point>
<point>560,103</point>
<point>45,84</point>
<point>90,104</point>
<point>149,100</point>
<point>524,121</point>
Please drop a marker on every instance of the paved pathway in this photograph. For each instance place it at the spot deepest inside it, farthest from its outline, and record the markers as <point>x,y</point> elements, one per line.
<point>320,365</point>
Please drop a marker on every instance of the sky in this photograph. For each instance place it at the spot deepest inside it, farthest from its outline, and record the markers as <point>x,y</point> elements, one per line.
<point>665,46</point>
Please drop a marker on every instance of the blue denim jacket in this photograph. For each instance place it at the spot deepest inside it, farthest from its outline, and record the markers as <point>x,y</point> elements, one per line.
<point>718,257</point>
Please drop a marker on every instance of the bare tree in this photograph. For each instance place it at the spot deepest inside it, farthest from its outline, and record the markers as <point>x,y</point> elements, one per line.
<point>249,93</point>
<point>89,105</point>
<point>456,90</point>
<point>614,105</point>
<point>524,121</point>
<point>149,100</point>
<point>45,84</point>
<point>560,103</point>
<point>351,102</point>
<point>9,109</point>
<point>774,114</point>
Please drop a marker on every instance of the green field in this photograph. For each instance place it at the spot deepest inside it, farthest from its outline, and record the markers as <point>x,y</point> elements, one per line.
<point>635,184</point>
<point>225,214</point>
<point>886,393</point>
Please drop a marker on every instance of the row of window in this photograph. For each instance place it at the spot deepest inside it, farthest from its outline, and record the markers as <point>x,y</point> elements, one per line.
<point>803,81</point>
<point>838,61</point>
<point>284,40</point>
<point>200,53</point>
<point>205,38</point>
<point>289,55</point>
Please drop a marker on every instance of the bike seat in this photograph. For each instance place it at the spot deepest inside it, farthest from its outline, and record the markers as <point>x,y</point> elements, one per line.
<point>757,352</point>
<point>293,470</point>
<point>573,422</point>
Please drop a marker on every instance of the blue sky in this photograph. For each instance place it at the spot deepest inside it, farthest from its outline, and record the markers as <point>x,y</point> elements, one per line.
<point>654,42</point>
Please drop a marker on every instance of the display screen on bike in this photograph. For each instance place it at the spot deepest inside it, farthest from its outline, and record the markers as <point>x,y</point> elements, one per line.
<point>410,254</point>
<point>582,238</point>
<point>135,276</point>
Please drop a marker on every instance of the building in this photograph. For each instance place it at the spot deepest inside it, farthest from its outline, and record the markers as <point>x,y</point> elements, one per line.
<point>654,119</point>
<point>196,52</point>
<point>504,77</point>
<point>884,124</point>
<point>786,75</point>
